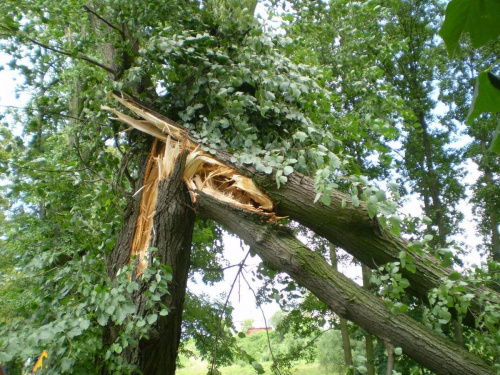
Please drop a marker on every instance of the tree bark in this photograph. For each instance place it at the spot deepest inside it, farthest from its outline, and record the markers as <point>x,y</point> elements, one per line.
<point>349,227</point>
<point>435,209</point>
<point>173,225</point>
<point>280,250</point>
<point>491,211</point>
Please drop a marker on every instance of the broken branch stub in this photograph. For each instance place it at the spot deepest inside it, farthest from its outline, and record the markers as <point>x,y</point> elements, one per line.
<point>202,172</point>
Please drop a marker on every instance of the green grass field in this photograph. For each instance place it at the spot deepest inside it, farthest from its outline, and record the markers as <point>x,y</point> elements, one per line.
<point>200,368</point>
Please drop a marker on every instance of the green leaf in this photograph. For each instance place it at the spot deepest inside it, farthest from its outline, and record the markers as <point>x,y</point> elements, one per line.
<point>132,286</point>
<point>398,351</point>
<point>102,320</point>
<point>454,276</point>
<point>362,369</point>
<point>355,201</point>
<point>152,318</point>
<point>372,209</point>
<point>258,368</point>
<point>411,267</point>
<point>288,170</point>
<point>404,283</point>
<point>495,144</point>
<point>67,364</point>
<point>486,97</point>
<point>301,136</point>
<point>326,199</point>
<point>478,17</point>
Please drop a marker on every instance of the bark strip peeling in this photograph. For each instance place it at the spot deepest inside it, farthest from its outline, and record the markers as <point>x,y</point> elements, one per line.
<point>202,172</point>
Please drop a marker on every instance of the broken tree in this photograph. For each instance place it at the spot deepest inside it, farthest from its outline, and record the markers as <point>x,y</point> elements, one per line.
<point>219,191</point>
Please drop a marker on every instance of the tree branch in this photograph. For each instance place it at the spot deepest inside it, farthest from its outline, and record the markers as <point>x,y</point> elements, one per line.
<point>104,20</point>
<point>79,56</point>
<point>282,251</point>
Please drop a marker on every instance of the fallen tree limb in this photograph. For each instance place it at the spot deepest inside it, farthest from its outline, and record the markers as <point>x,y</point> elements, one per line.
<point>350,228</point>
<point>283,252</point>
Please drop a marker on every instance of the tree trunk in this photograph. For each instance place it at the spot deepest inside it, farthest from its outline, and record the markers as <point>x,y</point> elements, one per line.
<point>344,329</point>
<point>370,365</point>
<point>352,229</point>
<point>435,210</point>
<point>491,211</point>
<point>280,250</point>
<point>172,231</point>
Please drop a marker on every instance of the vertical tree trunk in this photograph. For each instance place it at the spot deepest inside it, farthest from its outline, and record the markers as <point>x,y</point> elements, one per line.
<point>370,366</point>
<point>344,329</point>
<point>173,224</point>
<point>430,176</point>
<point>491,211</point>
<point>173,233</point>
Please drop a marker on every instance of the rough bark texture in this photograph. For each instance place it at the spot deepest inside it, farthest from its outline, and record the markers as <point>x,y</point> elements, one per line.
<point>172,236</point>
<point>491,211</point>
<point>436,208</point>
<point>344,328</point>
<point>279,249</point>
<point>350,228</point>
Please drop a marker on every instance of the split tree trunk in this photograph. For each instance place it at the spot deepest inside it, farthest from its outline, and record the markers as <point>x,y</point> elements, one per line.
<point>352,229</point>
<point>173,225</point>
<point>283,252</point>
<point>349,227</point>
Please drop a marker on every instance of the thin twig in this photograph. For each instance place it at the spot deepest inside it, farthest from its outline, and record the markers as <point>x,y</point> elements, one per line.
<point>47,112</point>
<point>81,57</point>
<point>28,277</point>
<point>214,358</point>
<point>265,325</point>
<point>220,269</point>
<point>48,170</point>
<point>104,20</point>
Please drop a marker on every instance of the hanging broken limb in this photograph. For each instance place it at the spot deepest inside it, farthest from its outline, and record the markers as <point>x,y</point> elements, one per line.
<point>349,227</point>
<point>282,251</point>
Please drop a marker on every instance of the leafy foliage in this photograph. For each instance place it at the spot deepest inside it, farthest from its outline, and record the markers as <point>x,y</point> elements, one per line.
<point>347,95</point>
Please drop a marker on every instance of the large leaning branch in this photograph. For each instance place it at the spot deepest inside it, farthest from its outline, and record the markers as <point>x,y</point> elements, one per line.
<point>282,251</point>
<point>350,227</point>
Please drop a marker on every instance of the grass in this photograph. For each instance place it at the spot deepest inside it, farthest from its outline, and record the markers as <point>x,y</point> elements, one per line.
<point>200,368</point>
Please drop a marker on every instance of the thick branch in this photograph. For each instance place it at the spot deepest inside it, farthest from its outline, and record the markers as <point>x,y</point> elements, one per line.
<point>352,229</point>
<point>279,249</point>
<point>104,20</point>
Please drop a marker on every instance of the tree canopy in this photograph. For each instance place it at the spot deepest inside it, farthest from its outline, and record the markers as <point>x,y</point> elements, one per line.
<point>153,127</point>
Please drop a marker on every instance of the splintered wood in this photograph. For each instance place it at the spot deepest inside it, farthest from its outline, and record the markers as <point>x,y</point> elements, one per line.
<point>202,172</point>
